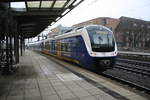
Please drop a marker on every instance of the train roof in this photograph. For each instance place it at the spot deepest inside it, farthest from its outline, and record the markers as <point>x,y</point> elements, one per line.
<point>75,31</point>
<point>72,32</point>
<point>95,25</point>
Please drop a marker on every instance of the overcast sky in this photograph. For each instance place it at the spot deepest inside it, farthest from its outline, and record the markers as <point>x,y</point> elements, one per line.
<point>90,9</point>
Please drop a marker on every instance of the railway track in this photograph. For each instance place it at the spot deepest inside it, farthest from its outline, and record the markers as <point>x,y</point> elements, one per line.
<point>135,62</point>
<point>134,66</point>
<point>133,72</point>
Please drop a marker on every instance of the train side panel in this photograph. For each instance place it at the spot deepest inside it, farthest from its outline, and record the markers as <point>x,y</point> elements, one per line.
<point>74,49</point>
<point>77,51</point>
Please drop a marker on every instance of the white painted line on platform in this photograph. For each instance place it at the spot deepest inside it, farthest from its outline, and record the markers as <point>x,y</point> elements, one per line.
<point>45,70</point>
<point>68,77</point>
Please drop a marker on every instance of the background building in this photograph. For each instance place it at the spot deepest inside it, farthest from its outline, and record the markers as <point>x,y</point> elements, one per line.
<point>105,21</point>
<point>130,33</point>
<point>133,34</point>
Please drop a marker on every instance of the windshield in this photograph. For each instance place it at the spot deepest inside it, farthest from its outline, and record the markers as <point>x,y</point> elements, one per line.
<point>101,38</point>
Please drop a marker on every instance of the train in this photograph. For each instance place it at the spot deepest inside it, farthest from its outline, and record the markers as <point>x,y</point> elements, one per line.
<point>92,46</point>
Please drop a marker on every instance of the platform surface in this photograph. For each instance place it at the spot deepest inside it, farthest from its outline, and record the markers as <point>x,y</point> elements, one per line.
<point>39,78</point>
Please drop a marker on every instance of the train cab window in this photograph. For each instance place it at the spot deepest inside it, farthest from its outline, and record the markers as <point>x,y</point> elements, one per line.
<point>101,39</point>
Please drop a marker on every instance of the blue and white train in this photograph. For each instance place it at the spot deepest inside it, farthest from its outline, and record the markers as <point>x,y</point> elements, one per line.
<point>91,46</point>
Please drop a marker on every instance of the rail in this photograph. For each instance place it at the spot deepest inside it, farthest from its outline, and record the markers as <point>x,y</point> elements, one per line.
<point>134,72</point>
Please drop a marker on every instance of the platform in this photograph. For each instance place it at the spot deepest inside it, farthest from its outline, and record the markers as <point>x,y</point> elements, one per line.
<point>134,53</point>
<point>46,78</point>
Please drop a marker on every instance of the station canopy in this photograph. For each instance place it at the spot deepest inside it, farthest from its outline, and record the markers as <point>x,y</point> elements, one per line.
<point>33,16</point>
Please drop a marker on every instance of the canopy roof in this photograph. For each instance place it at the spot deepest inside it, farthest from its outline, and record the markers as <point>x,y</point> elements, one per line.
<point>33,16</point>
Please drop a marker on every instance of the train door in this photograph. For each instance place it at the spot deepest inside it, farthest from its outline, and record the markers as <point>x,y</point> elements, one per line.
<point>74,48</point>
<point>81,54</point>
<point>79,49</point>
<point>58,48</point>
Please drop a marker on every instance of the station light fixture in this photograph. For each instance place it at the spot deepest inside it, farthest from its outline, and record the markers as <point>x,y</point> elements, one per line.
<point>70,2</point>
<point>49,27</point>
<point>57,18</point>
<point>65,12</point>
<point>52,23</point>
<point>77,1</point>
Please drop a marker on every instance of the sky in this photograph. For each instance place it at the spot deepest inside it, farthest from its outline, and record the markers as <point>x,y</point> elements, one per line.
<point>90,9</point>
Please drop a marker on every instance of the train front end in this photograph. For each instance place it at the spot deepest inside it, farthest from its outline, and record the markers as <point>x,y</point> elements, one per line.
<point>102,47</point>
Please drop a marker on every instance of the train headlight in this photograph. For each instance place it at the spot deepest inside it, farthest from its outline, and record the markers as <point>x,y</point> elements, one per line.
<point>114,53</point>
<point>93,54</point>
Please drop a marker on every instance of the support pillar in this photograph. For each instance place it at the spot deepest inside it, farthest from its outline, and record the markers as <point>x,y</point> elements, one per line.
<point>21,45</point>
<point>16,44</point>
<point>7,59</point>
